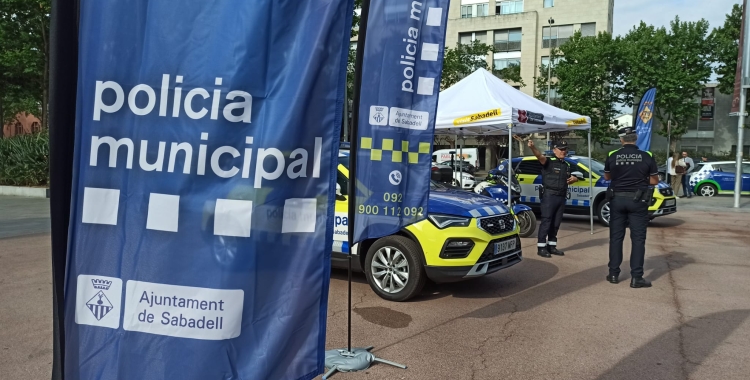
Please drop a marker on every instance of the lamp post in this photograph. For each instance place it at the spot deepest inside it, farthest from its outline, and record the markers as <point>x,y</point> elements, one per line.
<point>551,21</point>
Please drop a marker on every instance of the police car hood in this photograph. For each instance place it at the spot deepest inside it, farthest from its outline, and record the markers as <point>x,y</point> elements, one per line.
<point>463,203</point>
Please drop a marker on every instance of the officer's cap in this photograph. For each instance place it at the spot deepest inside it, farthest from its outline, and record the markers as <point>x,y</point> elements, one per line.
<point>562,145</point>
<point>623,131</point>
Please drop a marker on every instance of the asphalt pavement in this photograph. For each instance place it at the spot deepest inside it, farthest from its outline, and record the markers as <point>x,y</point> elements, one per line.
<point>541,319</point>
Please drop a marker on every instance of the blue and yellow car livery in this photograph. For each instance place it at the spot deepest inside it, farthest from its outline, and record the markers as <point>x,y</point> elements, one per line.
<point>528,169</point>
<point>464,236</point>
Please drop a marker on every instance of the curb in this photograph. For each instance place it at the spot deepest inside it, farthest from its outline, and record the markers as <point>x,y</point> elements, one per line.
<point>32,192</point>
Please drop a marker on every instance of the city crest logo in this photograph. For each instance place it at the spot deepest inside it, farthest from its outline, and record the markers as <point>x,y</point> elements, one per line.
<point>646,115</point>
<point>99,304</point>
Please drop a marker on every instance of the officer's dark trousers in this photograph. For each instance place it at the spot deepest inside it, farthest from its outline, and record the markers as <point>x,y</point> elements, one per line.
<point>552,213</point>
<point>625,212</point>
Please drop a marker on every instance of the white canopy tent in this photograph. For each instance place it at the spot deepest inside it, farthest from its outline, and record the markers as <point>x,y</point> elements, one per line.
<point>483,104</point>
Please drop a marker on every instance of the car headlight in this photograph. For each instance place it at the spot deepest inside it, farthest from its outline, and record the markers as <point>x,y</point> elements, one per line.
<point>444,221</point>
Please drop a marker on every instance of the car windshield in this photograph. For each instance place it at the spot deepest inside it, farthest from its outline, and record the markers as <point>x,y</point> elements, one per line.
<point>596,166</point>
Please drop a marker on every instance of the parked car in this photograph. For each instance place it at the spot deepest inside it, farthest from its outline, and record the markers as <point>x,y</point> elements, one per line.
<point>712,178</point>
<point>529,172</point>
<point>442,173</point>
<point>465,166</point>
<point>464,236</point>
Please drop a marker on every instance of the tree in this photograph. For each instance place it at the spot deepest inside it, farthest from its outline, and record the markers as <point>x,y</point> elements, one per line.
<point>464,59</point>
<point>675,61</point>
<point>24,58</point>
<point>546,74</point>
<point>591,80</point>
<point>726,41</point>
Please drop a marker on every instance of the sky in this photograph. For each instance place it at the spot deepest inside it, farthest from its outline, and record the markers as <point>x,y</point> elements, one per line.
<point>629,13</point>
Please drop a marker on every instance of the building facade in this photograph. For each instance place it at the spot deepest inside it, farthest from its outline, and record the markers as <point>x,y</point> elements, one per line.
<point>520,29</point>
<point>22,125</point>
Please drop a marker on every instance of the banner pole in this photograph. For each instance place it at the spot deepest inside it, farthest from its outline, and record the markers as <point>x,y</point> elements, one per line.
<point>591,187</point>
<point>359,358</point>
<point>354,147</point>
<point>63,87</point>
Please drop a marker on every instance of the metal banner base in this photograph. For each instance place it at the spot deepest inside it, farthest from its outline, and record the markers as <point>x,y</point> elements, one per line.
<point>358,359</point>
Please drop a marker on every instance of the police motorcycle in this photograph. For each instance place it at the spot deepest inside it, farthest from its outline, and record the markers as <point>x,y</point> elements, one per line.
<point>496,186</point>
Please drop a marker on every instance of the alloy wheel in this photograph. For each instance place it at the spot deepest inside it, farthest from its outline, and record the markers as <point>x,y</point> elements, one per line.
<point>390,269</point>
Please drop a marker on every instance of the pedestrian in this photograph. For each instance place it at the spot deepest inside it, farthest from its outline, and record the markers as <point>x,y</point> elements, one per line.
<point>689,168</point>
<point>556,176</point>
<point>631,171</point>
<point>704,159</point>
<point>676,170</point>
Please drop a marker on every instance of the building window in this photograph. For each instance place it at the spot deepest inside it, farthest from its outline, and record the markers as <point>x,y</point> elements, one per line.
<point>555,36</point>
<point>508,40</point>
<point>467,38</point>
<point>549,3</point>
<point>509,7</point>
<point>36,127</point>
<point>475,10</point>
<point>588,29</point>
<point>697,149</point>
<point>504,63</point>
<point>555,61</point>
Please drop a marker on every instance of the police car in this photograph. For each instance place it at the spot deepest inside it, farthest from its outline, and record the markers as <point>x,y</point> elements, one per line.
<point>464,236</point>
<point>529,172</point>
<point>718,178</point>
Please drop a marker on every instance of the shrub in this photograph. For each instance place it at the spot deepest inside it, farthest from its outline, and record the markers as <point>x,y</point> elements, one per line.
<point>24,160</point>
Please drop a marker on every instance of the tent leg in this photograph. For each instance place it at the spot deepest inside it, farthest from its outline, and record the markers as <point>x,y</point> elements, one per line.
<point>591,188</point>
<point>510,165</point>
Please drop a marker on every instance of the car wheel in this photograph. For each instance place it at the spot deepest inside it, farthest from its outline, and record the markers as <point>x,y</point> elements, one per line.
<point>527,223</point>
<point>707,190</point>
<point>394,269</point>
<point>604,213</point>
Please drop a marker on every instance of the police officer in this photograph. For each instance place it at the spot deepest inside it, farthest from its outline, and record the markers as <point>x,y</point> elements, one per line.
<point>631,171</point>
<point>556,176</point>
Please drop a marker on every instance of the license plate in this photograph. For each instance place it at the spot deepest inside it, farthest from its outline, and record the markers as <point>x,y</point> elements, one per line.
<point>670,202</point>
<point>505,246</point>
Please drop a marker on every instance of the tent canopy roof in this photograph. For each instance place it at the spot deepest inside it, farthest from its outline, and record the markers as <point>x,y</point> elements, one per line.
<point>482,103</point>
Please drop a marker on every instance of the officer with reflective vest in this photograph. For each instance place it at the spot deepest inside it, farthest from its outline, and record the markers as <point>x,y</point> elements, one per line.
<point>631,171</point>
<point>556,176</point>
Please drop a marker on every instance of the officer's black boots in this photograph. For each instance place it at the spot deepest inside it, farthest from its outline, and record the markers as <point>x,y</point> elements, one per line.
<point>613,278</point>
<point>553,250</point>
<point>542,251</point>
<point>639,282</point>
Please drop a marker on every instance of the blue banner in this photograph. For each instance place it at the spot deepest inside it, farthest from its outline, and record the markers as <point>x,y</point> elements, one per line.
<point>202,210</point>
<point>403,61</point>
<point>645,119</point>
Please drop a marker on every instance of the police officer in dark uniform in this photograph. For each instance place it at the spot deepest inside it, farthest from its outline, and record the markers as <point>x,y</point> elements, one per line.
<point>631,171</point>
<point>556,176</point>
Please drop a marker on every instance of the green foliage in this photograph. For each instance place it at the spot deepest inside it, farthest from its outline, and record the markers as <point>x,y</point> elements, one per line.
<point>676,61</point>
<point>591,80</point>
<point>24,47</point>
<point>545,72</point>
<point>726,41</point>
<point>463,60</point>
<point>511,74</point>
<point>24,160</point>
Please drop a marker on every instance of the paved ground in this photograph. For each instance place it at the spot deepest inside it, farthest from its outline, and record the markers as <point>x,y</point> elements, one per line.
<point>542,319</point>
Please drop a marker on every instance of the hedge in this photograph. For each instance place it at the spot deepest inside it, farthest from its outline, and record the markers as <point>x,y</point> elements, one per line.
<point>24,160</point>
